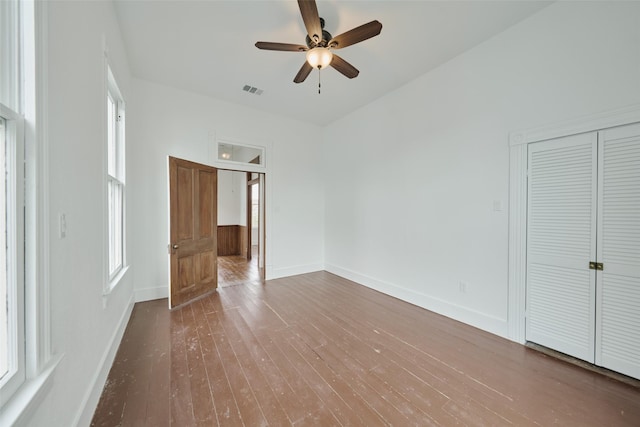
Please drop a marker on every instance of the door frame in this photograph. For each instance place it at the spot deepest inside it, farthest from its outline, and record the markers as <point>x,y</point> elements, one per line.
<point>250,184</point>
<point>266,192</point>
<point>518,149</point>
<point>262,225</point>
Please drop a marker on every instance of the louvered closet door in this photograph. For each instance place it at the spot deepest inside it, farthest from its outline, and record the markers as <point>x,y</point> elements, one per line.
<point>618,284</point>
<point>560,243</point>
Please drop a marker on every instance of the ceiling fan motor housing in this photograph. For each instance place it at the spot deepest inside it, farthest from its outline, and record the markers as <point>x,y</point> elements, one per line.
<point>326,36</point>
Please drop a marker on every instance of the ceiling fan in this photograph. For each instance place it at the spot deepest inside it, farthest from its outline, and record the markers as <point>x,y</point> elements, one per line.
<point>320,44</point>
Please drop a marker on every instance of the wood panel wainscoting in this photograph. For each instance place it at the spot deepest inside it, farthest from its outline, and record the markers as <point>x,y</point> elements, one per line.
<point>244,240</point>
<point>317,349</point>
<point>232,240</point>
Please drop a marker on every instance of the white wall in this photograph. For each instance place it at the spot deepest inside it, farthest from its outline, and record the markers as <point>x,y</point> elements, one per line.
<point>412,178</point>
<point>84,325</point>
<point>168,122</point>
<point>232,198</point>
<point>408,207</point>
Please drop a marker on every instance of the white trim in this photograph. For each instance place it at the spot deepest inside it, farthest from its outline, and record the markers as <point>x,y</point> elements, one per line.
<point>269,153</point>
<point>150,294</point>
<point>23,404</point>
<point>40,366</point>
<point>16,265</point>
<point>592,122</point>
<point>517,241</point>
<point>92,396</point>
<point>106,284</point>
<point>474,318</point>
<point>276,273</point>
<point>518,141</point>
<point>10,83</point>
<point>110,89</point>
<point>115,281</point>
<point>42,319</point>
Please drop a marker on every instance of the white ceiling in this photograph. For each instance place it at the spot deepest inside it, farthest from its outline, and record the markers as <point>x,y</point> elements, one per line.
<point>207,47</point>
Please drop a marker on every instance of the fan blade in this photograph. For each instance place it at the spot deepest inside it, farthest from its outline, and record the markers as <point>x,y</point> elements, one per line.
<point>356,35</point>
<point>303,73</point>
<point>286,47</point>
<point>309,12</point>
<point>344,67</point>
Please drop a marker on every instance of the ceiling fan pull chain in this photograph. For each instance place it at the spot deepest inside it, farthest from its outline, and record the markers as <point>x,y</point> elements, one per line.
<point>319,70</point>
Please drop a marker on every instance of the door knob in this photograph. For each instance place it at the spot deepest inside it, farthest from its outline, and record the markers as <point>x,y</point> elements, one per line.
<point>175,246</point>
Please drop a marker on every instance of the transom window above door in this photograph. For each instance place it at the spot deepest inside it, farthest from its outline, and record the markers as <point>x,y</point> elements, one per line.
<point>240,153</point>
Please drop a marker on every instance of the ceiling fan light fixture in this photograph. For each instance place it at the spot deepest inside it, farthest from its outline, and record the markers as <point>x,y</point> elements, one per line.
<point>319,57</point>
<point>319,43</point>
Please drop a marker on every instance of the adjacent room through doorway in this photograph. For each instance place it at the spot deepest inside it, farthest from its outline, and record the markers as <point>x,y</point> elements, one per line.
<point>240,227</point>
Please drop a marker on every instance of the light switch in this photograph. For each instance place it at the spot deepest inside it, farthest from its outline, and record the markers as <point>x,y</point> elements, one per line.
<point>62,225</point>
<point>497,205</point>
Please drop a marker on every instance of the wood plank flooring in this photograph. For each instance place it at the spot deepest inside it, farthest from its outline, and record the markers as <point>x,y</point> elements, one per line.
<point>236,270</point>
<point>317,349</point>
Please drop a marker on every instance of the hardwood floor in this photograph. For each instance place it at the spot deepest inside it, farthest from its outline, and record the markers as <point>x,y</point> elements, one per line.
<point>235,269</point>
<point>317,349</point>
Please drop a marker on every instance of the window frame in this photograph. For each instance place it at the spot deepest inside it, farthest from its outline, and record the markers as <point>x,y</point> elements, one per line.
<point>15,145</point>
<point>11,110</point>
<point>115,233</point>
<point>11,53</point>
<point>29,101</point>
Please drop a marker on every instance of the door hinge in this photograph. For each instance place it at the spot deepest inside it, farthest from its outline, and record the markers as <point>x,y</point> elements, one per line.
<point>596,266</point>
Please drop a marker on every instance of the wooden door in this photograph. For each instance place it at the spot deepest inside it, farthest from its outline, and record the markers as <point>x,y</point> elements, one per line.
<point>193,194</point>
<point>561,243</point>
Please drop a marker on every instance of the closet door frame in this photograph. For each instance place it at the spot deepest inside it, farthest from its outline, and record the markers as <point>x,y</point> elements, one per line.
<point>518,149</point>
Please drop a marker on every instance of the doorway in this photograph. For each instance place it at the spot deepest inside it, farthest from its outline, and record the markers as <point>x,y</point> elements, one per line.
<point>241,249</point>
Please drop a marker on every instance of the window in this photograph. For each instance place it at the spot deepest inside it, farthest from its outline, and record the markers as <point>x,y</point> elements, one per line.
<point>240,153</point>
<point>4,289</point>
<point>27,365</point>
<point>11,252</point>
<point>115,180</point>
<point>12,237</point>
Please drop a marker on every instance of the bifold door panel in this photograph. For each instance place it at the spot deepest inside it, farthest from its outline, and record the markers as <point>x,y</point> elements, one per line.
<point>561,242</point>
<point>618,284</point>
<point>583,247</point>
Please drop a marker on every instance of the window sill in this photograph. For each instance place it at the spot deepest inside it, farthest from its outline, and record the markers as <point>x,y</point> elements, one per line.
<point>21,407</point>
<point>113,283</point>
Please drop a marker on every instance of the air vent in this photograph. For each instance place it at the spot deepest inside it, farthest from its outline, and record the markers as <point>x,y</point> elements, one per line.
<point>253,90</point>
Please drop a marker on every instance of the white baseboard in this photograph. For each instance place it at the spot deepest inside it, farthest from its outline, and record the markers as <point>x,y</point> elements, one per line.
<point>91,399</point>
<point>474,318</point>
<point>276,273</point>
<point>149,294</point>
